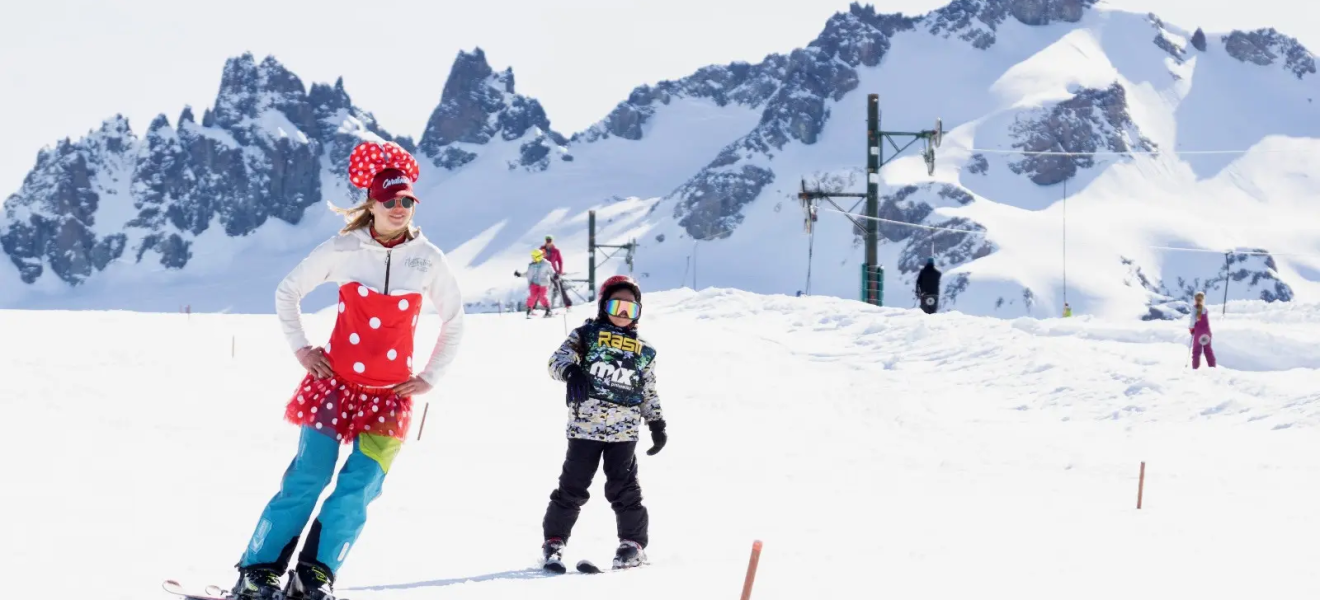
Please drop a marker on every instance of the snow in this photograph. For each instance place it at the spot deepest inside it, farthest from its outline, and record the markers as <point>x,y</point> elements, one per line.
<point>275,126</point>
<point>215,133</point>
<point>873,450</point>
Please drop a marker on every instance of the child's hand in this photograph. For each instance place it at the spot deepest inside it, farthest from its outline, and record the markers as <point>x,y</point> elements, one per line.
<point>658,437</point>
<point>577,384</point>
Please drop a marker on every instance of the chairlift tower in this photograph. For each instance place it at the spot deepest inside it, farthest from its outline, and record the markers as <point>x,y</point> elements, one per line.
<point>872,280</point>
<point>629,248</point>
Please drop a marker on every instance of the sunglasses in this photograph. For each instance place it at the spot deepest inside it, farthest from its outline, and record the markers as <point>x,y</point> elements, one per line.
<point>407,202</point>
<point>623,308</point>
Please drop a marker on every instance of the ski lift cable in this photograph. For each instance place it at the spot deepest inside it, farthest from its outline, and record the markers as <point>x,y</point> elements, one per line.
<point>976,232</point>
<point>1123,153</point>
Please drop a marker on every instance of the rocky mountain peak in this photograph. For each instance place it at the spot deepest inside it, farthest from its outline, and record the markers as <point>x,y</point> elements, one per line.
<point>477,105</point>
<point>328,98</point>
<point>977,21</point>
<point>249,90</point>
<point>256,155</point>
<point>1093,120</point>
<point>1198,40</point>
<point>1265,46</point>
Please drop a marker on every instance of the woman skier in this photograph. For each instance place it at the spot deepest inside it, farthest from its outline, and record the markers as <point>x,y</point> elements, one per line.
<point>359,387</point>
<point>610,372</point>
<point>1200,330</point>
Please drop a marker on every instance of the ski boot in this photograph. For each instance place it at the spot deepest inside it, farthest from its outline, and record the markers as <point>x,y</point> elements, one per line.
<point>553,555</point>
<point>628,555</point>
<point>258,583</point>
<point>548,314</point>
<point>309,582</point>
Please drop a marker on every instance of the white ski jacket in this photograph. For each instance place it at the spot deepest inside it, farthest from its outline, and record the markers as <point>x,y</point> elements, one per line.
<point>415,266</point>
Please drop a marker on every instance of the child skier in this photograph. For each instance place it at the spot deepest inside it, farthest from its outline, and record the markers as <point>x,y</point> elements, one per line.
<point>538,282</point>
<point>610,373</point>
<point>1200,331</point>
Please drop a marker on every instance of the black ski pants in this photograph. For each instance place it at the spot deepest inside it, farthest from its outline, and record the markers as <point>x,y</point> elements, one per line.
<point>622,489</point>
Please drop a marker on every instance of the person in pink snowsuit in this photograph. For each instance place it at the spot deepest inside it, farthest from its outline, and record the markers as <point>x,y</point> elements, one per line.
<point>1200,331</point>
<point>538,277</point>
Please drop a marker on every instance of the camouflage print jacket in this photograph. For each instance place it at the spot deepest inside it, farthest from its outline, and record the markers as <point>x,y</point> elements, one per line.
<point>620,369</point>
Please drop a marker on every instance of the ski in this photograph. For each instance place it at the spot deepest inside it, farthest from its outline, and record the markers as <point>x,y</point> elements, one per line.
<point>563,293</point>
<point>590,568</point>
<point>212,592</point>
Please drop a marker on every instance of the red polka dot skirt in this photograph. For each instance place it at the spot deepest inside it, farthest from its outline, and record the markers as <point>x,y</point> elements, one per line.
<point>344,410</point>
<point>370,349</point>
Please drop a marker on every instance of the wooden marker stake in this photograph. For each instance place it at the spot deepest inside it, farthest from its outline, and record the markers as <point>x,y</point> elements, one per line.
<point>1141,484</point>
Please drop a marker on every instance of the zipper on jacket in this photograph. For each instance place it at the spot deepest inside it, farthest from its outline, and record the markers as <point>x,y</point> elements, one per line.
<point>387,270</point>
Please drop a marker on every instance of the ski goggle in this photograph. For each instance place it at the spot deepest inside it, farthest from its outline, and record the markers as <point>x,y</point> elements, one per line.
<point>623,308</point>
<point>406,201</point>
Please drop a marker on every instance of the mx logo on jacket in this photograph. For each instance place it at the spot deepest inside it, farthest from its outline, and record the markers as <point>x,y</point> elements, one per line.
<point>616,362</point>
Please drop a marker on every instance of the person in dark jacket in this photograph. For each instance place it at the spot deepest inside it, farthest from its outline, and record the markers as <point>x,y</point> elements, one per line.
<point>928,287</point>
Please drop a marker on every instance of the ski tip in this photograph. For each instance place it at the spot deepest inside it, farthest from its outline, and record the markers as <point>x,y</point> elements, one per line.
<point>586,566</point>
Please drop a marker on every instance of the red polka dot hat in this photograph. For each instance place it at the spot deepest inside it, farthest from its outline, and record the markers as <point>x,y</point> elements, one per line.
<point>385,169</point>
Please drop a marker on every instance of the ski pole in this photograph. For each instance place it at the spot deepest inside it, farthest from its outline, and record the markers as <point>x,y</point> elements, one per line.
<point>422,426</point>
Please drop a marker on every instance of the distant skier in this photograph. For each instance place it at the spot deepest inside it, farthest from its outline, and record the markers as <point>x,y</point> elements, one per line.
<point>610,372</point>
<point>552,254</point>
<point>538,281</point>
<point>1200,330</point>
<point>557,261</point>
<point>928,287</point>
<point>1067,310</point>
<point>361,393</point>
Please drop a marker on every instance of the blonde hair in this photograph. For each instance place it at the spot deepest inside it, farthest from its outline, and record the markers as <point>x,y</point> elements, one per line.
<point>360,217</point>
<point>356,217</point>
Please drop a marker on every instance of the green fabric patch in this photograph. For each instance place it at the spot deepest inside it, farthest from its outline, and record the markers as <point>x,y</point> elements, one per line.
<point>380,448</point>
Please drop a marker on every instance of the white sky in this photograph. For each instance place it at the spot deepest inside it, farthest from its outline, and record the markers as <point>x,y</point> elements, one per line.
<point>66,65</point>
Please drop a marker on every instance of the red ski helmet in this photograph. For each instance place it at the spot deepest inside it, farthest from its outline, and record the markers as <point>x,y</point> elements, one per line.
<point>612,284</point>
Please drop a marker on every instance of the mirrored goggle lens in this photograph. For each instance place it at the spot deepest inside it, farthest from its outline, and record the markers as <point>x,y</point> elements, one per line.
<point>407,202</point>
<point>623,308</point>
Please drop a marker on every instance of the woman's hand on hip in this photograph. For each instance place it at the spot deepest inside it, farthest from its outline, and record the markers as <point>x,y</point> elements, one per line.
<point>414,386</point>
<point>314,360</point>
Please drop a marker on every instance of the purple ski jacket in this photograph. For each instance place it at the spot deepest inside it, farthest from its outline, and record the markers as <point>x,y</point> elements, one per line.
<point>1200,320</point>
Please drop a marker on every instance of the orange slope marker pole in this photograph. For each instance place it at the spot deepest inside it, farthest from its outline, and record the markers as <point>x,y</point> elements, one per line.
<point>751,570</point>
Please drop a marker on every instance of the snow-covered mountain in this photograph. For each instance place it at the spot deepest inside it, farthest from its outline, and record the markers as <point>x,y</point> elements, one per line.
<point>1172,145</point>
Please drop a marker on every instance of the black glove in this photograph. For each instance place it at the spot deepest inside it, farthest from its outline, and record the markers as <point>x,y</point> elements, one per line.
<point>577,384</point>
<point>658,437</point>
<point>517,274</point>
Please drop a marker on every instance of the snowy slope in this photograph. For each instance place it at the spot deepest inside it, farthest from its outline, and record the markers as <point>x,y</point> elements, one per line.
<point>1232,131</point>
<point>890,451</point>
